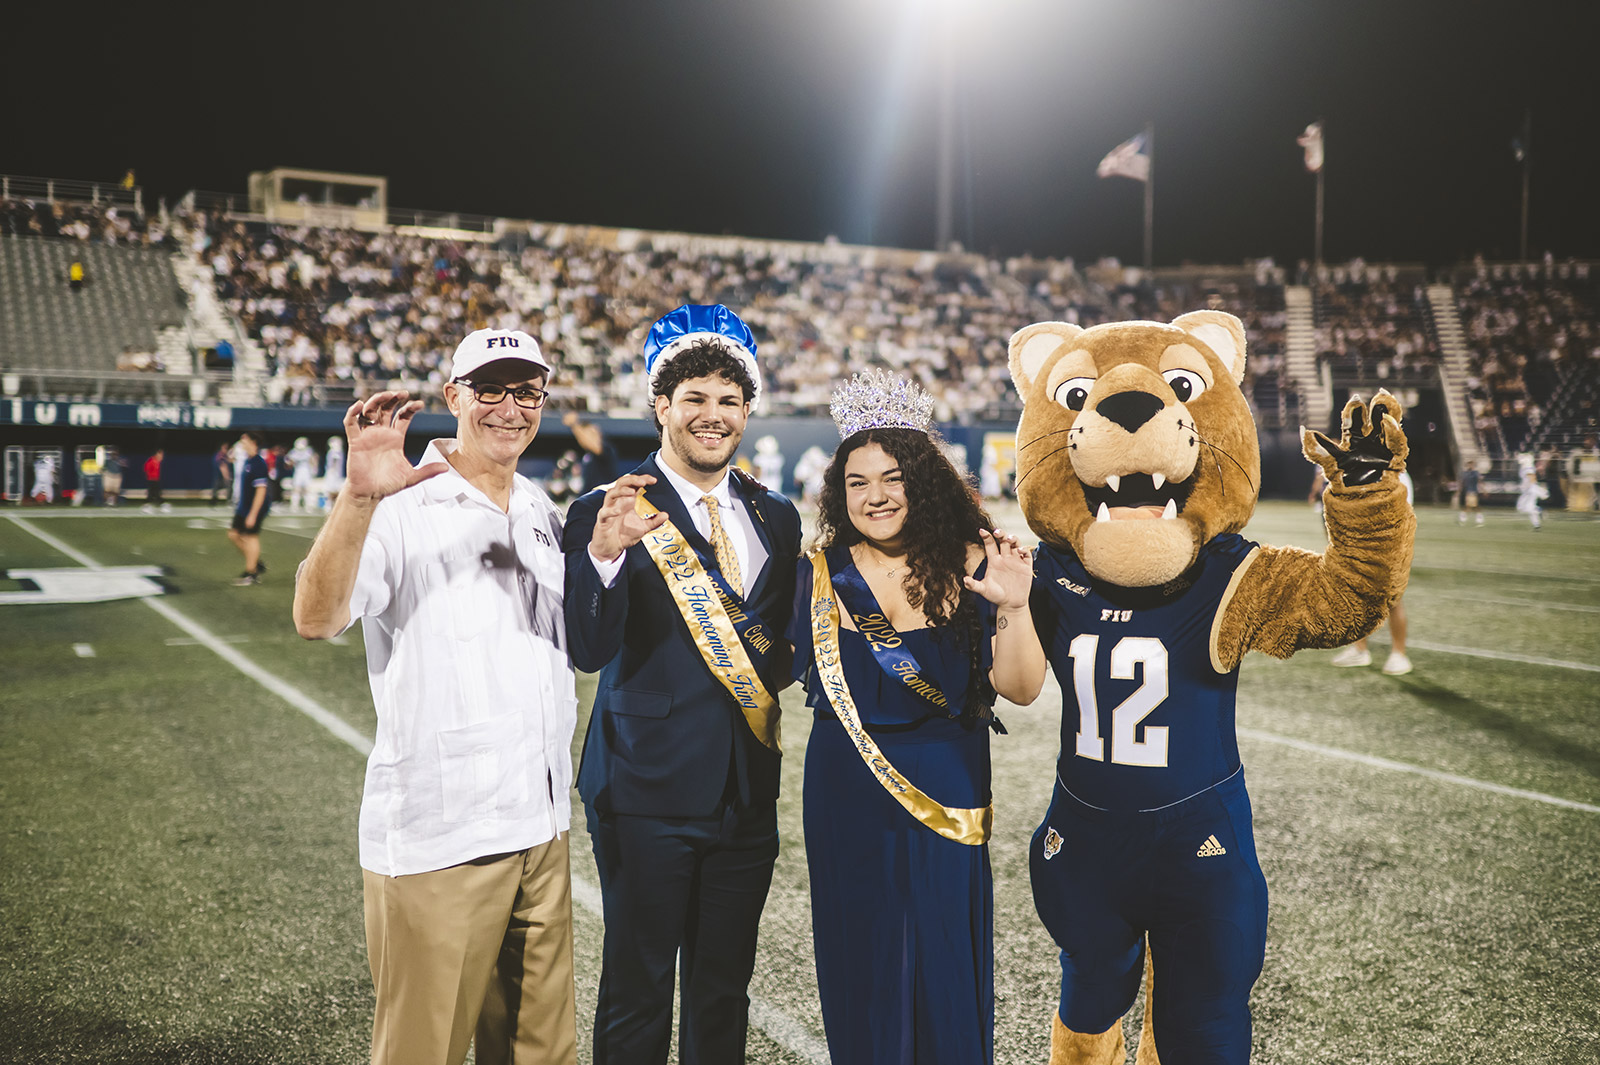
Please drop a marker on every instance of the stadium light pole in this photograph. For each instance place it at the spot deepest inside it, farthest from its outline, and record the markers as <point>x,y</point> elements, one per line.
<point>944,217</point>
<point>1523,146</point>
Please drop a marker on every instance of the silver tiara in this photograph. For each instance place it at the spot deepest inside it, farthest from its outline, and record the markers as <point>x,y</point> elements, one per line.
<point>877,399</point>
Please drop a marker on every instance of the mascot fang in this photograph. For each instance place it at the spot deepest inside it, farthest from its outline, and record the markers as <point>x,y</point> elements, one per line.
<point>1137,466</point>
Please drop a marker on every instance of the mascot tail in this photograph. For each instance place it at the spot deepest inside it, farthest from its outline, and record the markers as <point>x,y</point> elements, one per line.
<point>1081,1048</point>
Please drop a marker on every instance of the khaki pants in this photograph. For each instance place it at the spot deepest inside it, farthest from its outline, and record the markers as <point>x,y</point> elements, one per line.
<point>481,949</point>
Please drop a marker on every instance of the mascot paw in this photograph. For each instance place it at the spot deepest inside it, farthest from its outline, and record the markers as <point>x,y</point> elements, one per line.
<point>1370,443</point>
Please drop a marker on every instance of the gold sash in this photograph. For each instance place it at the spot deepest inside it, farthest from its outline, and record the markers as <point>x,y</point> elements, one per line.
<point>705,611</point>
<point>964,826</point>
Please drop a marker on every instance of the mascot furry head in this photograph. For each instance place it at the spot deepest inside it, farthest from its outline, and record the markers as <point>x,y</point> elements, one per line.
<point>1138,466</point>
<point>1111,457</point>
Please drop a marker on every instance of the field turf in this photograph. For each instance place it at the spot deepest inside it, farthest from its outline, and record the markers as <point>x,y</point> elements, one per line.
<point>178,878</point>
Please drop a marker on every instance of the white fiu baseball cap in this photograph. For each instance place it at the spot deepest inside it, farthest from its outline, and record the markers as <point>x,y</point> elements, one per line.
<point>491,345</point>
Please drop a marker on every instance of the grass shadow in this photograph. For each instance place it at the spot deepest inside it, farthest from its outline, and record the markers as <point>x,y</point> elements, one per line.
<point>1512,729</point>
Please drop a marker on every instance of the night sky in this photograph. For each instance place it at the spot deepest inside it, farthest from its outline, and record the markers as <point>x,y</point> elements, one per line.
<point>800,120</point>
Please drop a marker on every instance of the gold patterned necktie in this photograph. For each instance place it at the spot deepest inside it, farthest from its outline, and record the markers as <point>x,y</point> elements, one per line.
<point>727,561</point>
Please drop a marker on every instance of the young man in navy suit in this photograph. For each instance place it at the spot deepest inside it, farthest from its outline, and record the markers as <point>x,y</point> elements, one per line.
<point>680,581</point>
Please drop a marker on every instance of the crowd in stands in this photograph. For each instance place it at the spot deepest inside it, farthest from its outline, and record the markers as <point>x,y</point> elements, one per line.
<point>1529,335</point>
<point>1258,303</point>
<point>348,307</point>
<point>364,310</point>
<point>98,223</point>
<point>815,322</point>
<point>342,313</point>
<point>1373,324</point>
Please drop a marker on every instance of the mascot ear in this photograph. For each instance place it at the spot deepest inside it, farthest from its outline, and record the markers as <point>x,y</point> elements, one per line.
<point>1032,345</point>
<point>1222,333</point>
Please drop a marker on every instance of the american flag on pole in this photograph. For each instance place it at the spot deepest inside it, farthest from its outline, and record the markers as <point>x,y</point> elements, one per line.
<point>1311,141</point>
<point>1130,159</point>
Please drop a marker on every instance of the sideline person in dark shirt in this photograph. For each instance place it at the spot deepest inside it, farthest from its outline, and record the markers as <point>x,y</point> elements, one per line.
<point>255,500</point>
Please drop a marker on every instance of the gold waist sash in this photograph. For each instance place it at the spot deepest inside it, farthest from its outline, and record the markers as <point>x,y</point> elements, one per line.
<point>963,826</point>
<point>704,607</point>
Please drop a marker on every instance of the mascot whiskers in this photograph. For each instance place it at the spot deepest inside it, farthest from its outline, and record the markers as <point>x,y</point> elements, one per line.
<point>1137,466</point>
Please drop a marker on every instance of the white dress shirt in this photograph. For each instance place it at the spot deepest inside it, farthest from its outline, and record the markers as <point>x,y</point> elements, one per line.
<point>461,608</point>
<point>737,525</point>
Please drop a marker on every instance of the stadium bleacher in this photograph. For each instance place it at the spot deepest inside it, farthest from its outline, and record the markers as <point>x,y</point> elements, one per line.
<point>1373,323</point>
<point>327,314</point>
<point>1532,336</point>
<point>361,310</point>
<point>129,295</point>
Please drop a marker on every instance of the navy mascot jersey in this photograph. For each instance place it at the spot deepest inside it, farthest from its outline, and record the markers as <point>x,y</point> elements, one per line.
<point>1146,718</point>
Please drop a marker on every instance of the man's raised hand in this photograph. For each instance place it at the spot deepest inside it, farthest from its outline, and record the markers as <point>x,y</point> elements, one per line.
<point>618,525</point>
<point>377,465</point>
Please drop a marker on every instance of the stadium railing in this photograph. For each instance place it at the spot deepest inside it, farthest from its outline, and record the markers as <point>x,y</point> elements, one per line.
<point>14,187</point>
<point>110,386</point>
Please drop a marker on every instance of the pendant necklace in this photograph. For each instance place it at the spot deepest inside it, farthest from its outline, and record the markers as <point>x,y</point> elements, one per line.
<point>887,571</point>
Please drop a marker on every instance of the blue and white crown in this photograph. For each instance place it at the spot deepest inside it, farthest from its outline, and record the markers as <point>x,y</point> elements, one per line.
<point>877,399</point>
<point>678,329</point>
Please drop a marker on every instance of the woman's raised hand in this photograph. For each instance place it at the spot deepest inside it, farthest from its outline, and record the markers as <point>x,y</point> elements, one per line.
<point>1008,577</point>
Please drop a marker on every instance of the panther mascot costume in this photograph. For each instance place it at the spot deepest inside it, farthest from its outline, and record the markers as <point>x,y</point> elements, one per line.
<point>1137,466</point>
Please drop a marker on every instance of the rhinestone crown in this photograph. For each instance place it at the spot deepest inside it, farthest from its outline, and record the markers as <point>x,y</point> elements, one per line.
<point>877,399</point>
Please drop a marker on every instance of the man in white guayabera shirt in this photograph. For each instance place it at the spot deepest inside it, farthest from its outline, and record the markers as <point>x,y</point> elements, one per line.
<point>454,567</point>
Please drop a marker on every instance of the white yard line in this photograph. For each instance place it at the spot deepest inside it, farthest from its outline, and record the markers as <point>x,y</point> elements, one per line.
<point>205,638</point>
<point>1053,692</point>
<point>1520,574</point>
<point>1499,656</point>
<point>1535,603</point>
<point>782,1028</point>
<point>219,512</point>
<point>1402,767</point>
<point>71,552</point>
<point>196,517</point>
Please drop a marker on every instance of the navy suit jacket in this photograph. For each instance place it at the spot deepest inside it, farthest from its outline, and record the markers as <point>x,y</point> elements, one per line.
<point>665,738</point>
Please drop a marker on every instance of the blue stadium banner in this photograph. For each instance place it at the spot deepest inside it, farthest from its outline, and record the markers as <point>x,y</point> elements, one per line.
<point>116,415</point>
<point>35,412</point>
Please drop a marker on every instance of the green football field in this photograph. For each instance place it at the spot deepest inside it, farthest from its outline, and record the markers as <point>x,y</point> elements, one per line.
<point>180,775</point>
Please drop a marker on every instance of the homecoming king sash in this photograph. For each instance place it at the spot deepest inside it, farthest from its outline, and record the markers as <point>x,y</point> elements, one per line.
<point>726,633</point>
<point>963,826</point>
<point>893,657</point>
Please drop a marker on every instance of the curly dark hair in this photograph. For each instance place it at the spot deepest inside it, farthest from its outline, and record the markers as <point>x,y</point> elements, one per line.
<point>704,358</point>
<point>943,517</point>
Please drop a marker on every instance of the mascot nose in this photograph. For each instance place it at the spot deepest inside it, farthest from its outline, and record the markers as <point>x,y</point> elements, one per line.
<point>1130,409</point>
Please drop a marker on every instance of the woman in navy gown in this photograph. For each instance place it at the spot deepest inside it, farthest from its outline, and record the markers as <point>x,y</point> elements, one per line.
<point>929,619</point>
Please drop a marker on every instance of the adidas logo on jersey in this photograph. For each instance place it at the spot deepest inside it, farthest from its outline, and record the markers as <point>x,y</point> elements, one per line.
<point>1210,848</point>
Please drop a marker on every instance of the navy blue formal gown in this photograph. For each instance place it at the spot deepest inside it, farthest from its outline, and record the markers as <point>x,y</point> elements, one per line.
<point>902,918</point>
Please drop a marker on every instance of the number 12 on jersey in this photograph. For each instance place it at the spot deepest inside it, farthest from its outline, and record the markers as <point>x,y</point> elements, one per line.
<point>1125,748</point>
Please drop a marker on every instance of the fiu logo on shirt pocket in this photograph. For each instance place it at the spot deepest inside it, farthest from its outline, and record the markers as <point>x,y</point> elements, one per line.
<point>1052,843</point>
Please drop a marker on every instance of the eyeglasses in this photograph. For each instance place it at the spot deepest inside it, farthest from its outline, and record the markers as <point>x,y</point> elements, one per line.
<point>526,397</point>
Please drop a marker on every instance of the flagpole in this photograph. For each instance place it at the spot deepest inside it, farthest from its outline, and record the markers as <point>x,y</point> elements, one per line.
<point>1319,220</point>
<point>1322,135</point>
<point>1150,199</point>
